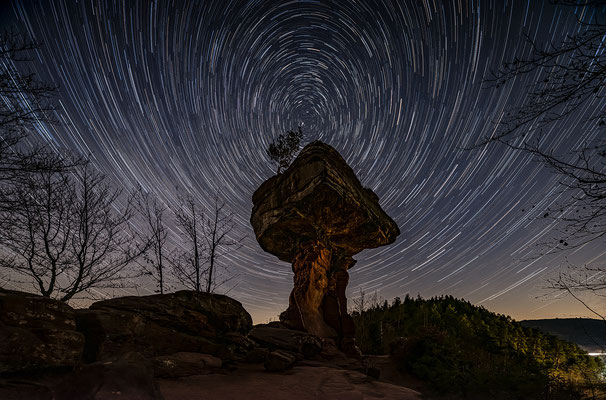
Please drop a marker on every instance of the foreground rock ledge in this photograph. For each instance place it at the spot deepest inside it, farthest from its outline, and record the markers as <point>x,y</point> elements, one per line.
<point>316,215</point>
<point>37,332</point>
<point>163,324</point>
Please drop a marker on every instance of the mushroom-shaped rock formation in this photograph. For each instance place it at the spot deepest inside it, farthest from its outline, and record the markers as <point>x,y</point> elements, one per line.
<point>316,215</point>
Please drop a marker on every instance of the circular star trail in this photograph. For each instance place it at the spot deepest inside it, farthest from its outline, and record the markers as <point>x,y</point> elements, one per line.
<point>184,97</point>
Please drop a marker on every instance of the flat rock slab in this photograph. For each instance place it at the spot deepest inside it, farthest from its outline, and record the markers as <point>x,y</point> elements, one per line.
<point>298,383</point>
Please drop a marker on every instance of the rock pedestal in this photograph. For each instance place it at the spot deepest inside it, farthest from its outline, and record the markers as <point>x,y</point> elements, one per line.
<point>316,215</point>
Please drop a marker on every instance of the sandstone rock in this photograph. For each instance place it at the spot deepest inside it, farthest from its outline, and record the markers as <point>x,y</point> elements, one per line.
<point>256,356</point>
<point>128,377</point>
<point>239,341</point>
<point>287,339</point>
<point>185,364</point>
<point>37,332</point>
<point>252,382</point>
<point>163,324</point>
<point>279,361</point>
<point>319,195</point>
<point>317,215</point>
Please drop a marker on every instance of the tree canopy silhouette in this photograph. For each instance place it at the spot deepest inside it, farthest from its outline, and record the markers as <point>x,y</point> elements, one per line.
<point>67,234</point>
<point>283,150</point>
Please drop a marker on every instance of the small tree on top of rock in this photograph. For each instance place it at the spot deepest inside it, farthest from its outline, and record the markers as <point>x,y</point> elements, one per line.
<point>283,149</point>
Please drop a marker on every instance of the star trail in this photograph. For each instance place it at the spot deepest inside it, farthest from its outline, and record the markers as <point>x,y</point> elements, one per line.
<point>184,97</point>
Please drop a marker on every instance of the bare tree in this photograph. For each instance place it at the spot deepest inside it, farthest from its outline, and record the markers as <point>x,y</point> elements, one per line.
<point>568,75</point>
<point>69,235</point>
<point>577,281</point>
<point>37,234</point>
<point>360,302</point>
<point>188,264</point>
<point>208,239</point>
<point>284,148</point>
<point>153,215</point>
<point>24,101</point>
<point>217,230</point>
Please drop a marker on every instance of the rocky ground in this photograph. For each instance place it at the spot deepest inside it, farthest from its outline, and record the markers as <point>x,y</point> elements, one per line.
<point>245,381</point>
<point>302,382</point>
<point>182,345</point>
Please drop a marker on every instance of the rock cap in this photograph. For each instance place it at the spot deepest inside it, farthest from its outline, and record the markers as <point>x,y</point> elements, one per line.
<point>319,199</point>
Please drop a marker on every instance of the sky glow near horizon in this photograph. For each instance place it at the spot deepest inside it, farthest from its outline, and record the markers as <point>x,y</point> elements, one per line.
<point>182,96</point>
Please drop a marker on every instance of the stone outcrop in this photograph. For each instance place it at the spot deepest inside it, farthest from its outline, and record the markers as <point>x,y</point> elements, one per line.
<point>279,361</point>
<point>287,339</point>
<point>37,332</point>
<point>156,325</point>
<point>316,215</point>
<point>144,365</point>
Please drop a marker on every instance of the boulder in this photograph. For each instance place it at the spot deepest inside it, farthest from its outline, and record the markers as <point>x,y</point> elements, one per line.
<point>163,324</point>
<point>287,339</point>
<point>37,332</point>
<point>279,361</point>
<point>317,215</point>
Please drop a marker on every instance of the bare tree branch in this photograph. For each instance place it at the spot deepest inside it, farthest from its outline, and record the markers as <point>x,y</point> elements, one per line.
<point>68,234</point>
<point>217,229</point>
<point>153,214</point>
<point>188,264</point>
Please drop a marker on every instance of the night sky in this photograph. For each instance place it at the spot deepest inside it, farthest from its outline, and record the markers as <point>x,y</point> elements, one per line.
<point>184,97</point>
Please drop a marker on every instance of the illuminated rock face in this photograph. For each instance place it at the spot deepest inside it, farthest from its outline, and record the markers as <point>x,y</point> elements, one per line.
<point>316,215</point>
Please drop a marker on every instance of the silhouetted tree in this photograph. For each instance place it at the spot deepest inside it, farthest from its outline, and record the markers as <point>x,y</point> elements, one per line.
<point>68,234</point>
<point>580,281</point>
<point>570,74</point>
<point>284,148</point>
<point>156,258</point>
<point>189,264</point>
<point>24,101</point>
<point>36,235</point>
<point>217,230</point>
<point>209,238</point>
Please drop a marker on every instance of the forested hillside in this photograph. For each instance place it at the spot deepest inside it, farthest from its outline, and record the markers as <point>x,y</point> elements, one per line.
<point>455,346</point>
